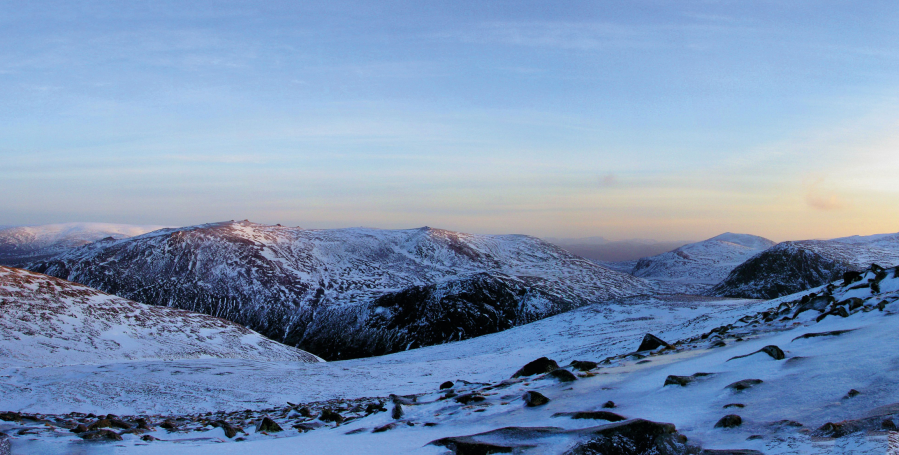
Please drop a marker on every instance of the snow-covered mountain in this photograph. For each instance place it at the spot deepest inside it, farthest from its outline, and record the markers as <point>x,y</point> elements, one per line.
<point>19,245</point>
<point>346,292</point>
<point>46,321</point>
<point>793,266</point>
<point>801,374</point>
<point>703,263</point>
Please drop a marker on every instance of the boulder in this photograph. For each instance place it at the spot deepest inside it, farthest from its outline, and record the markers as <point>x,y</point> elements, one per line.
<point>384,428</point>
<point>684,380</point>
<point>473,397</point>
<point>851,277</point>
<point>446,385</point>
<point>148,438</point>
<point>330,416</point>
<point>230,430</point>
<point>268,425</point>
<point>729,421</point>
<point>609,404</point>
<point>80,428</point>
<point>583,365</point>
<point>100,423</point>
<point>744,384</point>
<point>852,393</point>
<point>539,366</point>
<point>532,399</point>
<point>563,375</point>
<point>397,412</point>
<point>168,425</point>
<point>651,342</point>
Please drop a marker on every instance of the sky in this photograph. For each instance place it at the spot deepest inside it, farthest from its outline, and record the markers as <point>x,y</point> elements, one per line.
<point>668,120</point>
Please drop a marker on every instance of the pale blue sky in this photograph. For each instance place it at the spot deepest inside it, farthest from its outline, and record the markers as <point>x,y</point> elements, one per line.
<point>661,119</point>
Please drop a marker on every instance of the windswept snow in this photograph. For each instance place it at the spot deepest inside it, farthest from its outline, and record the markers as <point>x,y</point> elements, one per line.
<point>46,321</point>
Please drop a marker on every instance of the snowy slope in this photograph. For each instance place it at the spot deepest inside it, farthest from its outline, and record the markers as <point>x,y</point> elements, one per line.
<point>19,245</point>
<point>800,403</point>
<point>703,263</point>
<point>792,266</point>
<point>347,292</point>
<point>45,321</point>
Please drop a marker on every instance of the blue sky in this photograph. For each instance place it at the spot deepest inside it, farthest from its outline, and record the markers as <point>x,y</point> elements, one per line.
<point>659,119</point>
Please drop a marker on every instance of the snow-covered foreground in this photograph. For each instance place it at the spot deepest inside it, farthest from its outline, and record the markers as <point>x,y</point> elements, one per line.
<point>46,321</point>
<point>781,414</point>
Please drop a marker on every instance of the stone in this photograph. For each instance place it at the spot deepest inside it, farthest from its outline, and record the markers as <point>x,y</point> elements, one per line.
<point>230,430</point>
<point>651,342</point>
<point>372,408</point>
<point>744,384</point>
<point>583,365</point>
<point>822,334</point>
<point>773,351</point>
<point>473,397</point>
<point>729,421</point>
<point>593,415</point>
<point>684,380</point>
<point>102,434</point>
<point>609,404</point>
<point>384,428</point>
<point>539,366</point>
<point>532,399</point>
<point>148,438</point>
<point>101,423</point>
<point>563,375</point>
<point>308,426</point>
<point>330,416</point>
<point>446,385</point>
<point>305,412</point>
<point>268,425</point>
<point>852,393</point>
<point>734,405</point>
<point>119,423</point>
<point>80,428</point>
<point>168,425</point>
<point>397,412</point>
<point>851,277</point>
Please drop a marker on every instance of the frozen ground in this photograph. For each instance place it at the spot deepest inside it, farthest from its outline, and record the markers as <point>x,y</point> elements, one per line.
<point>808,388</point>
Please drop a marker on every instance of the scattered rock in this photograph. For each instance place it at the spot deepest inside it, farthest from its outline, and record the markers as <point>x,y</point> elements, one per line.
<point>305,412</point>
<point>149,438</point>
<point>532,399</point>
<point>473,397</point>
<point>583,365</point>
<point>888,425</point>
<point>446,385</point>
<point>102,434</point>
<point>230,430</point>
<point>773,351</point>
<point>684,380</point>
<point>822,334</point>
<point>330,416</point>
<point>268,425</point>
<point>744,384</point>
<point>609,404</point>
<point>168,425</point>
<point>729,421</point>
<point>852,393</point>
<point>594,415</point>
<point>563,375</point>
<point>384,428</point>
<point>308,426</point>
<point>11,416</point>
<point>357,431</point>
<point>539,366</point>
<point>119,423</point>
<point>372,408</point>
<point>651,342</point>
<point>397,412</point>
<point>851,277</point>
<point>734,405</point>
<point>101,423</point>
<point>80,428</point>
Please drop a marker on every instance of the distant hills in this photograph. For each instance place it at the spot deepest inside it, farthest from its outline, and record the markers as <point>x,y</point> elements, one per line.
<point>346,293</point>
<point>600,249</point>
<point>22,244</point>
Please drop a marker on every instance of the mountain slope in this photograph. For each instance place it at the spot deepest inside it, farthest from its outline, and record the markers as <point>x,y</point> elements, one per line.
<point>332,291</point>
<point>46,321</point>
<point>793,266</point>
<point>19,245</point>
<point>704,263</point>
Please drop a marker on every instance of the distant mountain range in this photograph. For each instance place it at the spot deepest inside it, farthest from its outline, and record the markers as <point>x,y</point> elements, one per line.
<point>47,321</point>
<point>347,292</point>
<point>22,244</point>
<point>793,266</point>
<point>705,263</point>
